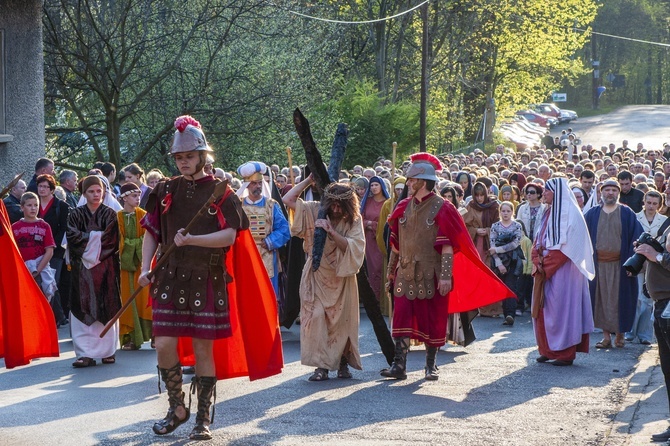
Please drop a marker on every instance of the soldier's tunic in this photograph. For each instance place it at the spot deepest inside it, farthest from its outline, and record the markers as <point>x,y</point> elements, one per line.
<point>189,292</point>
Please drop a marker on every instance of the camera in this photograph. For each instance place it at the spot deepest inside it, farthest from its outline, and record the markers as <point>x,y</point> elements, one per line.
<point>634,264</point>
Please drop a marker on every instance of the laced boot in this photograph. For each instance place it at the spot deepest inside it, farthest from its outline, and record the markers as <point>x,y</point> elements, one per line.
<point>431,368</point>
<point>206,387</point>
<point>172,378</point>
<point>398,367</point>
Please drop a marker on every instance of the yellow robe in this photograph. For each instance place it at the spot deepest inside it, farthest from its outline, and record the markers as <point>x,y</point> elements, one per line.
<point>329,308</point>
<point>384,295</point>
<point>135,322</point>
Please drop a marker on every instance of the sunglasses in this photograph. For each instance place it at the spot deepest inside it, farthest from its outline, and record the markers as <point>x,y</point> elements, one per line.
<point>531,192</point>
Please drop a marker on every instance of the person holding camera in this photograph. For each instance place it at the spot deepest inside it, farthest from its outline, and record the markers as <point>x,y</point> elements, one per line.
<point>651,221</point>
<point>613,229</point>
<point>657,278</point>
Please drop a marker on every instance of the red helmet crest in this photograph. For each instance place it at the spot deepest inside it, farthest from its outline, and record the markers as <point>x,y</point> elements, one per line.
<point>426,157</point>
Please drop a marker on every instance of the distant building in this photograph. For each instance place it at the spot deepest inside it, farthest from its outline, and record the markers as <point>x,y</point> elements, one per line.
<point>21,88</point>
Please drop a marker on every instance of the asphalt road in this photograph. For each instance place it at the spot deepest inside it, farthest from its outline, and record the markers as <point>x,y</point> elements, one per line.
<point>490,392</point>
<point>647,124</point>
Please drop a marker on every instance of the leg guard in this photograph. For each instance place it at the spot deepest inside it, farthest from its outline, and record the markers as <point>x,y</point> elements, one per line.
<point>206,387</point>
<point>398,368</point>
<point>431,367</point>
<point>172,378</point>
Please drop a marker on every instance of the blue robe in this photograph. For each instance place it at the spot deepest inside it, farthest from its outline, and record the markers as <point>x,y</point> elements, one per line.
<point>628,289</point>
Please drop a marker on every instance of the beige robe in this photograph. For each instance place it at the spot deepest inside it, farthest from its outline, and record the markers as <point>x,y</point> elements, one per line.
<point>329,309</point>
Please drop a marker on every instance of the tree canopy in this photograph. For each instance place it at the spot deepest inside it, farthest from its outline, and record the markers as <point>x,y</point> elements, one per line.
<point>119,71</point>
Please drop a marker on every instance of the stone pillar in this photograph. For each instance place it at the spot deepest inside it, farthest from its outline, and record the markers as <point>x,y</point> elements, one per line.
<point>23,92</point>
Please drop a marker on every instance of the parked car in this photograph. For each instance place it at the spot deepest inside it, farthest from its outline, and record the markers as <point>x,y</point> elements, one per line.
<point>530,127</point>
<point>537,118</point>
<point>549,109</point>
<point>517,136</point>
<point>568,115</point>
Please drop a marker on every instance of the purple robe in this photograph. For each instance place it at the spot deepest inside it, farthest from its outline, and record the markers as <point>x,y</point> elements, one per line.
<point>567,303</point>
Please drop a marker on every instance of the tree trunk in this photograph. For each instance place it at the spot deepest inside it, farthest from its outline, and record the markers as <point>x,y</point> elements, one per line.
<point>113,132</point>
<point>425,70</point>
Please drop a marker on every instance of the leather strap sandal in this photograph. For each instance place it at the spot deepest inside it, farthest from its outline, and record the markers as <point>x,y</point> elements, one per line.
<point>343,372</point>
<point>84,362</point>
<point>170,422</point>
<point>605,343</point>
<point>319,375</point>
<point>619,341</point>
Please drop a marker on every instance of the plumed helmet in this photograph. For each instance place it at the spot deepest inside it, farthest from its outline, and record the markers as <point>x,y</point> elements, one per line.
<point>188,136</point>
<point>424,167</point>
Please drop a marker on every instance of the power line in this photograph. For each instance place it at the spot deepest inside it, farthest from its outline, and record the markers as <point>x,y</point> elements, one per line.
<point>624,38</point>
<point>347,22</point>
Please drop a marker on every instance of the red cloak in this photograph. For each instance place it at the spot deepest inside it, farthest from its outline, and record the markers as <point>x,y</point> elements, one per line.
<point>474,284</point>
<point>27,324</point>
<point>255,347</point>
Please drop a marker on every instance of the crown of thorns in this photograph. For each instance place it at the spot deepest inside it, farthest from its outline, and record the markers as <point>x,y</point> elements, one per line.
<point>346,194</point>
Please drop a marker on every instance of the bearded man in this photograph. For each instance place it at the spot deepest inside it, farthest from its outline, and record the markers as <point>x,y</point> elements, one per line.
<point>267,222</point>
<point>613,229</point>
<point>329,308</point>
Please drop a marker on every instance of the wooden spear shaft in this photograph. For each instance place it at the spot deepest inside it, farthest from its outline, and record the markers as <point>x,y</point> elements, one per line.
<point>395,146</point>
<point>290,165</point>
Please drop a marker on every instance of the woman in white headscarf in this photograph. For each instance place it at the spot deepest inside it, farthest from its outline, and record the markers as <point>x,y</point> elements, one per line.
<point>562,267</point>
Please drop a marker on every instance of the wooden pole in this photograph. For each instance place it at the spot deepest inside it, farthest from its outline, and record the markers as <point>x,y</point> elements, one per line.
<point>393,159</point>
<point>290,165</point>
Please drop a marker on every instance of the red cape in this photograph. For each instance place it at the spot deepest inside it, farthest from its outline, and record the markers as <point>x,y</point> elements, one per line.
<point>474,284</point>
<point>255,348</point>
<point>27,324</point>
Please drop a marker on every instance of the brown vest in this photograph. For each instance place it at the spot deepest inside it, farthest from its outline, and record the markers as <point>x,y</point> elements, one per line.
<point>183,280</point>
<point>419,262</point>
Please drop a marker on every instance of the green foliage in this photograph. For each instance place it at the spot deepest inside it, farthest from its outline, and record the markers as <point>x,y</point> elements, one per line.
<point>374,126</point>
<point>118,73</point>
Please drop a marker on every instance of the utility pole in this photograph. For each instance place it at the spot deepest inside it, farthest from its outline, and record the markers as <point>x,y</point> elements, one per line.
<point>595,63</point>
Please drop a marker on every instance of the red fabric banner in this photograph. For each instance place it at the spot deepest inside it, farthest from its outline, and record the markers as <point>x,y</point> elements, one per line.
<point>27,324</point>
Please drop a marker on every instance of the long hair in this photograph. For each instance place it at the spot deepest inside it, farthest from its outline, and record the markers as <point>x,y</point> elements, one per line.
<point>350,205</point>
<point>454,195</point>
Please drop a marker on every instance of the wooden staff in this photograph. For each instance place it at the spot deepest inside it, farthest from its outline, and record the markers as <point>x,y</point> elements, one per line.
<point>219,190</point>
<point>290,165</point>
<point>11,184</point>
<point>395,146</point>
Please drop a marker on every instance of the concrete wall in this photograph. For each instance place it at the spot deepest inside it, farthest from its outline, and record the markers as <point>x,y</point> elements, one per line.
<point>21,22</point>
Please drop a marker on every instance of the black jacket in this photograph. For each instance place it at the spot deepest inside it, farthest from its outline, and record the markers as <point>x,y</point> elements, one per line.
<point>56,216</point>
<point>13,206</point>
